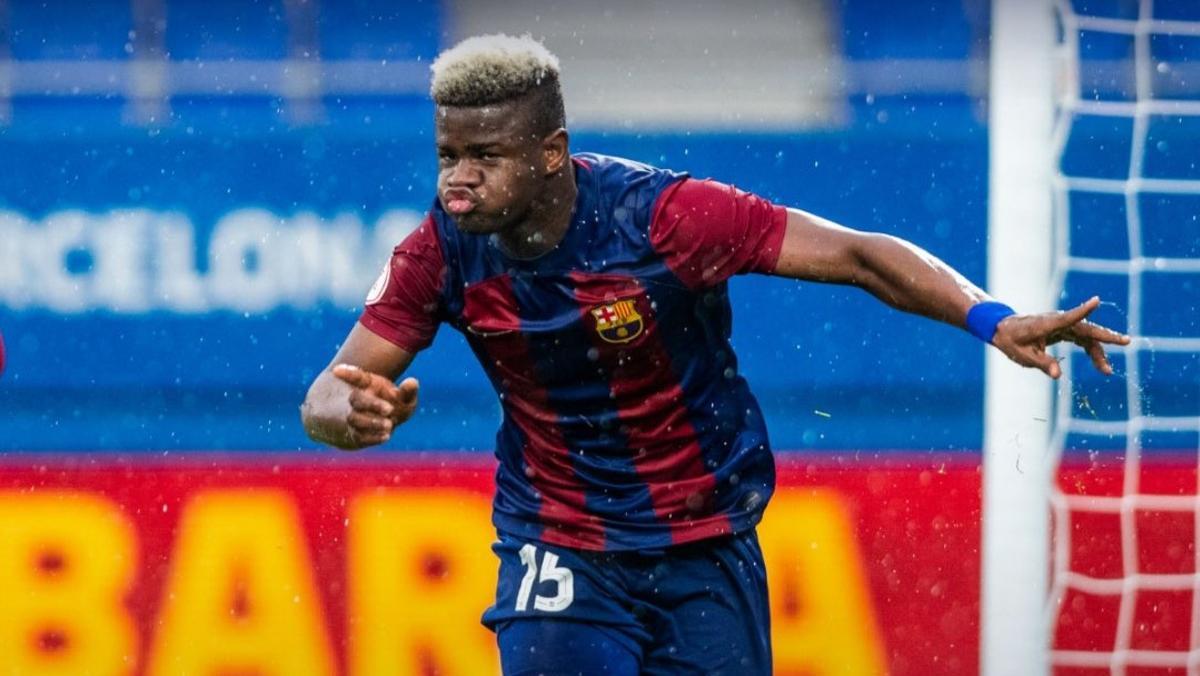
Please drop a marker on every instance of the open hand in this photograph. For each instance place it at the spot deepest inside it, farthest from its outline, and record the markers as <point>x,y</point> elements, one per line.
<point>1023,338</point>
<point>377,405</point>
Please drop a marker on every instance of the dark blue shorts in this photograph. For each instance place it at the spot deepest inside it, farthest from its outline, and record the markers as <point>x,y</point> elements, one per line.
<point>699,608</point>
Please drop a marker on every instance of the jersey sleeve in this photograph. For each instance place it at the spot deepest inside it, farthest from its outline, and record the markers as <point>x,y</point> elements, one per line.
<point>708,231</point>
<point>403,305</point>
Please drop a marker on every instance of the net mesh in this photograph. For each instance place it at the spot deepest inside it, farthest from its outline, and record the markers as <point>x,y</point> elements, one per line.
<point>1125,578</point>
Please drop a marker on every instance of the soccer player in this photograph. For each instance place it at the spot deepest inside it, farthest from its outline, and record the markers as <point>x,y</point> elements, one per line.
<point>633,459</point>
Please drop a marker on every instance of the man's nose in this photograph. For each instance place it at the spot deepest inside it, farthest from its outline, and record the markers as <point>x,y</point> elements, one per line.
<point>464,174</point>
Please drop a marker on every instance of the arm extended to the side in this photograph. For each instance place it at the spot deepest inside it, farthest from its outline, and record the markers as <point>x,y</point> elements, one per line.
<point>354,403</point>
<point>911,279</point>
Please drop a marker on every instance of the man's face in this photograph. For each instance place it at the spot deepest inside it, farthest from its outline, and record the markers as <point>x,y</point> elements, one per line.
<point>490,165</point>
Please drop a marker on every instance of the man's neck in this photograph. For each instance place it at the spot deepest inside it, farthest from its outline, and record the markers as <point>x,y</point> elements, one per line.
<point>548,220</point>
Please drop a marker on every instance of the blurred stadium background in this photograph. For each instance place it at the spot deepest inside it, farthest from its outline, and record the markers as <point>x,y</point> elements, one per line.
<point>195,196</point>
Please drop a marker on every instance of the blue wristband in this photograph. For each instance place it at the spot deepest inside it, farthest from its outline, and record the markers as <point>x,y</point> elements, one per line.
<point>983,318</point>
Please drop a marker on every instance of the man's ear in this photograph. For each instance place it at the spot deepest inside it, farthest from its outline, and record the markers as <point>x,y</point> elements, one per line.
<point>554,151</point>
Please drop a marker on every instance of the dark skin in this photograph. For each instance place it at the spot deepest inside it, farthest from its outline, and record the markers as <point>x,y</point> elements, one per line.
<point>498,174</point>
<point>515,180</point>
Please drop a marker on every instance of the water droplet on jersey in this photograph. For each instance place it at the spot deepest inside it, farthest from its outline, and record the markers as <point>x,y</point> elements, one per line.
<point>752,500</point>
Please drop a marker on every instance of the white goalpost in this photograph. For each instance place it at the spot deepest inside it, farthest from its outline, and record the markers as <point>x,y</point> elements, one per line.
<point>1016,461</point>
<point>1095,188</point>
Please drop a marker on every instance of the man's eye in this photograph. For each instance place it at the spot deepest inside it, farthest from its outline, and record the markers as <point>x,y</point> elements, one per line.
<point>489,156</point>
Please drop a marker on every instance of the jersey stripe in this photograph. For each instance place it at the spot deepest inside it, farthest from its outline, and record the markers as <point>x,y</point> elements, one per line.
<point>665,448</point>
<point>548,465</point>
<point>589,424</point>
<point>718,399</point>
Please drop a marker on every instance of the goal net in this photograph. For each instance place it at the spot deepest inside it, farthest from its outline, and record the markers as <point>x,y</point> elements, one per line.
<point>1124,563</point>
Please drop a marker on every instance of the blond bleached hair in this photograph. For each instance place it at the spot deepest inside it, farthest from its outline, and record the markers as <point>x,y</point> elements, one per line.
<point>490,69</point>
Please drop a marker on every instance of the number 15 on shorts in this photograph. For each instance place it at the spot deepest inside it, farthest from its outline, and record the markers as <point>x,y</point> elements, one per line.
<point>563,578</point>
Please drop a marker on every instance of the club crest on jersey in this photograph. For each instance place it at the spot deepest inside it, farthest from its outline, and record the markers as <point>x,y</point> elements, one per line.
<point>618,322</point>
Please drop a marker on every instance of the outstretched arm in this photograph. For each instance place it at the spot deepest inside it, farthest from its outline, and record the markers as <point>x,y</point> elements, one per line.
<point>354,402</point>
<point>911,279</point>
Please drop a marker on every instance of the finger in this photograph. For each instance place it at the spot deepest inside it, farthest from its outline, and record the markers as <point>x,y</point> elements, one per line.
<point>1046,363</point>
<point>365,401</point>
<point>403,394</point>
<point>362,440</point>
<point>366,423</point>
<point>407,397</point>
<point>352,374</point>
<point>358,440</point>
<point>1090,331</point>
<point>400,396</point>
<point>1077,313</point>
<point>1095,350</point>
<point>408,392</point>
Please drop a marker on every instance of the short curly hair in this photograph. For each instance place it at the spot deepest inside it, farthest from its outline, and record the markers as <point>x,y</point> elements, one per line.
<point>488,69</point>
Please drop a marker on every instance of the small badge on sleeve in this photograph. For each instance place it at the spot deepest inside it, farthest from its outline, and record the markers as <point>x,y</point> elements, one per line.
<point>381,284</point>
<point>618,322</point>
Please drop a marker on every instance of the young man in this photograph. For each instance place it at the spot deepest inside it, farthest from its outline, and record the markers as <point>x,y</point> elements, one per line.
<point>634,462</point>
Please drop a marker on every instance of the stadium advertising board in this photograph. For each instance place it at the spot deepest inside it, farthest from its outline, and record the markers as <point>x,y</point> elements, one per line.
<point>270,565</point>
<point>135,261</point>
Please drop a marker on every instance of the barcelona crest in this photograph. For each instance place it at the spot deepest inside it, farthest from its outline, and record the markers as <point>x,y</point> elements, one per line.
<point>618,322</point>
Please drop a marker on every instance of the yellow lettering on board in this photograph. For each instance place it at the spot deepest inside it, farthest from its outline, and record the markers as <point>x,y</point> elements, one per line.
<point>240,596</point>
<point>421,572</point>
<point>67,560</point>
<point>822,621</point>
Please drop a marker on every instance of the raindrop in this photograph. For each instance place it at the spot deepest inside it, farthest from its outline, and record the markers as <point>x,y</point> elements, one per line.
<point>752,500</point>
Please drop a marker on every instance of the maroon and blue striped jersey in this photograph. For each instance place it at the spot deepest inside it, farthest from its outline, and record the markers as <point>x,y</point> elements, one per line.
<point>626,424</point>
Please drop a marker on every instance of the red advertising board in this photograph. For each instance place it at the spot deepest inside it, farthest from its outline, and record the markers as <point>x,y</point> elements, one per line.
<point>358,565</point>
